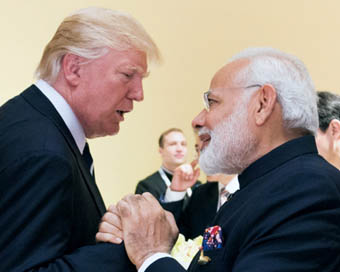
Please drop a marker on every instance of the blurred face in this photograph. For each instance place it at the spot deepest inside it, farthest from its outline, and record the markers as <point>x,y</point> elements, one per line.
<point>198,145</point>
<point>108,87</point>
<point>224,130</point>
<point>174,150</point>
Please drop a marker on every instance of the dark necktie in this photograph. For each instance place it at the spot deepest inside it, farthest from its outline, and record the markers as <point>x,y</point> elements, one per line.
<point>88,158</point>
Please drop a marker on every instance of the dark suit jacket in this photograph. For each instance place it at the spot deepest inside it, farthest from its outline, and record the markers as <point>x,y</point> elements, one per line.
<point>285,217</point>
<point>155,185</point>
<point>199,212</point>
<point>50,206</point>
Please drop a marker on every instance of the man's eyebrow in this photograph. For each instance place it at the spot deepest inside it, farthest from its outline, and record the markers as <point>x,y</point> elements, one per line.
<point>212,94</point>
<point>139,70</point>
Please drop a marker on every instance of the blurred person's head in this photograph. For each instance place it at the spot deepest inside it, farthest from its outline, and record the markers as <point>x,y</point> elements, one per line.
<point>97,60</point>
<point>173,148</point>
<point>198,144</point>
<point>259,100</point>
<point>328,136</point>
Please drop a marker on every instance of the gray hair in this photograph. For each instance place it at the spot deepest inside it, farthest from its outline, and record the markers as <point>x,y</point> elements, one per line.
<point>289,76</point>
<point>328,109</point>
<point>89,33</point>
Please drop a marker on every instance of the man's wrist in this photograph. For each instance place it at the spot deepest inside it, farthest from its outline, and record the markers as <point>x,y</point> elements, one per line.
<point>150,260</point>
<point>171,196</point>
<point>174,189</point>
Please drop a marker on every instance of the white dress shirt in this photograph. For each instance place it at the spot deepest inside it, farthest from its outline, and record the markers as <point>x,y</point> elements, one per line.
<point>65,111</point>
<point>231,187</point>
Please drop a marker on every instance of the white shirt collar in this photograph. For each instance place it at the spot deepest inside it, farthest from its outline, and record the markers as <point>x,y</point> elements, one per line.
<point>65,111</point>
<point>167,170</point>
<point>231,187</point>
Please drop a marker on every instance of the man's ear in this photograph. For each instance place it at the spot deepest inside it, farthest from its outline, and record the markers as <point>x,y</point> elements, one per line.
<point>71,66</point>
<point>264,104</point>
<point>334,130</point>
<point>160,150</point>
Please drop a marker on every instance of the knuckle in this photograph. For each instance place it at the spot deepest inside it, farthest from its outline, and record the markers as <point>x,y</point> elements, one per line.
<point>106,217</point>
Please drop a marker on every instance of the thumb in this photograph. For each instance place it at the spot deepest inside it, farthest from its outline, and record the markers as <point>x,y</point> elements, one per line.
<point>170,218</point>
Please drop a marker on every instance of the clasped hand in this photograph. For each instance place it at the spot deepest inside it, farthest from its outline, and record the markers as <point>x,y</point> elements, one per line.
<point>142,223</point>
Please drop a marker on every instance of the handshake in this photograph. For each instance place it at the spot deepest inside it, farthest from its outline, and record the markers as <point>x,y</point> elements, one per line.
<point>142,223</point>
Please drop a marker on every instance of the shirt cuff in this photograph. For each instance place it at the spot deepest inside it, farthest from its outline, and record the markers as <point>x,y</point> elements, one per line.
<point>171,196</point>
<point>152,259</point>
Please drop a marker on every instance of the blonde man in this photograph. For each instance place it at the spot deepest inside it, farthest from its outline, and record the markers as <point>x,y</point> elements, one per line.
<point>90,74</point>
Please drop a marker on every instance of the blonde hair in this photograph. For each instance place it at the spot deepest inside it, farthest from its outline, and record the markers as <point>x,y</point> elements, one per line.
<point>89,33</point>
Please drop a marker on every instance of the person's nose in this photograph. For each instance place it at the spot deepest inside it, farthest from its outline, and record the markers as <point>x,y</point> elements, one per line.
<point>179,148</point>
<point>136,91</point>
<point>199,120</point>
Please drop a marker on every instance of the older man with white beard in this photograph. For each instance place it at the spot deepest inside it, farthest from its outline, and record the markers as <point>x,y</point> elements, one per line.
<point>231,141</point>
<point>260,122</point>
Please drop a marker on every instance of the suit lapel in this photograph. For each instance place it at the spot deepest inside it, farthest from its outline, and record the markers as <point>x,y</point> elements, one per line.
<point>35,97</point>
<point>160,182</point>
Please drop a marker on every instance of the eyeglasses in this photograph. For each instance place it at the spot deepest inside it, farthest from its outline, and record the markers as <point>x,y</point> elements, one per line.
<point>207,101</point>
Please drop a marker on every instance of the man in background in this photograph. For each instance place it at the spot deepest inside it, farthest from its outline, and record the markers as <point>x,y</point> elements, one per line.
<point>173,150</point>
<point>90,74</point>
<point>328,136</point>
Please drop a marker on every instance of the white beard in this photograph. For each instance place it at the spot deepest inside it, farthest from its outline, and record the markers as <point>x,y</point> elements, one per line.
<point>231,145</point>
